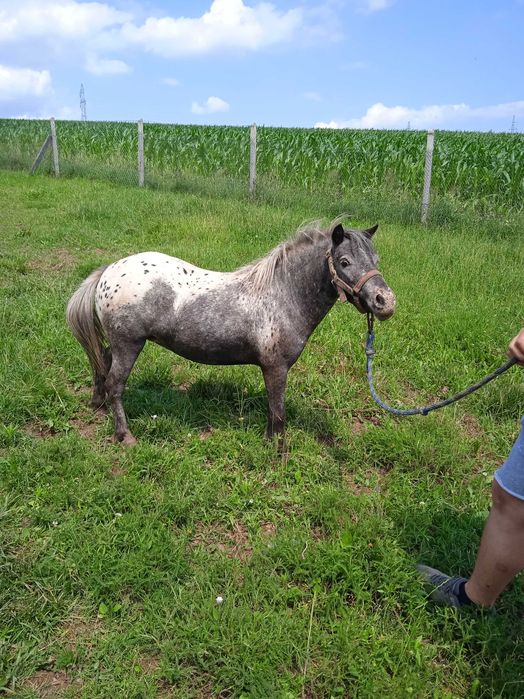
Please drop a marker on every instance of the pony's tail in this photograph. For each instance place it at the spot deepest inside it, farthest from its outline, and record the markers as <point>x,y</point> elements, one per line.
<point>84,324</point>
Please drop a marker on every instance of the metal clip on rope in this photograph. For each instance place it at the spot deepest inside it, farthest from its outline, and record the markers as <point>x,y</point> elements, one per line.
<point>370,353</point>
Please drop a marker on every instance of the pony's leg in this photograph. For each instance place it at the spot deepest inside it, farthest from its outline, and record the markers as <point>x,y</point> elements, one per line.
<point>98,401</point>
<point>275,378</point>
<point>124,358</point>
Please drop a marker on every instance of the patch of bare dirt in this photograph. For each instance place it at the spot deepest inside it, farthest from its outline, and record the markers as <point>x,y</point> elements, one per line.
<point>118,471</point>
<point>84,429</point>
<point>87,421</point>
<point>149,664</point>
<point>40,431</point>
<point>47,683</point>
<point>360,423</point>
<point>268,530</point>
<point>201,688</point>
<point>328,438</point>
<point>470,426</point>
<point>357,426</point>
<point>358,483</point>
<point>233,542</point>
<point>54,260</point>
<point>78,628</point>
<point>79,390</point>
<point>206,433</point>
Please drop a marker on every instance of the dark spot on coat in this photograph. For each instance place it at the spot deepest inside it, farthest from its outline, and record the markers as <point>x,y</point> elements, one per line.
<point>146,271</point>
<point>123,275</point>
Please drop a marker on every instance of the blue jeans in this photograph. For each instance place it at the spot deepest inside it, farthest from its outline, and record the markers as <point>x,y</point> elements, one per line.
<point>510,476</point>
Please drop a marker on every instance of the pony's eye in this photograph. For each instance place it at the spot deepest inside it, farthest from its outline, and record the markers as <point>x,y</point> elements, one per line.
<point>344,262</point>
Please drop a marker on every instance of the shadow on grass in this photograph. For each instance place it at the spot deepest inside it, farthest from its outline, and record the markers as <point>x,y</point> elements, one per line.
<point>218,403</point>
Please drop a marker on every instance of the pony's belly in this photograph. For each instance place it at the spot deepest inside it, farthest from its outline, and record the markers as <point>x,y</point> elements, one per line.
<point>223,353</point>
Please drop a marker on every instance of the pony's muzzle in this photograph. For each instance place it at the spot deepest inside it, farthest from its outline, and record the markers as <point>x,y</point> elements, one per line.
<point>381,302</point>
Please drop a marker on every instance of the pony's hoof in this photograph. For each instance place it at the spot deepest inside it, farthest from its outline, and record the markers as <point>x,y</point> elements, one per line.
<point>284,457</point>
<point>127,440</point>
<point>282,449</point>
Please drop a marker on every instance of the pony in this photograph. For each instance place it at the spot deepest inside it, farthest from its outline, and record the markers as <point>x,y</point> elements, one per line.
<point>262,313</point>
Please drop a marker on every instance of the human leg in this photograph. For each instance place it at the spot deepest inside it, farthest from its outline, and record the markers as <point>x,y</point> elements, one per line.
<point>501,553</point>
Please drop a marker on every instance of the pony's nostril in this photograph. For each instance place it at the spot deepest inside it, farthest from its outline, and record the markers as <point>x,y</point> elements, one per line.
<point>380,300</point>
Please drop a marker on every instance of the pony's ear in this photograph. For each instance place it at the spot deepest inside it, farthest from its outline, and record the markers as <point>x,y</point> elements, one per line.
<point>337,234</point>
<point>370,232</point>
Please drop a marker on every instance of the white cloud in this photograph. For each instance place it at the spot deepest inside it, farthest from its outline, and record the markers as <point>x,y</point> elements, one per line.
<point>172,82</point>
<point>379,116</point>
<point>377,5</point>
<point>211,106</point>
<point>64,112</point>
<point>82,33</point>
<point>56,18</point>
<point>228,24</point>
<point>313,96</point>
<point>16,83</point>
<point>331,125</point>
<point>105,66</point>
<point>369,6</point>
<point>356,65</point>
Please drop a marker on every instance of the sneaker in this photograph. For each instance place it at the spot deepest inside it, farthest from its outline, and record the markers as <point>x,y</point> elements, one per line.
<point>444,589</point>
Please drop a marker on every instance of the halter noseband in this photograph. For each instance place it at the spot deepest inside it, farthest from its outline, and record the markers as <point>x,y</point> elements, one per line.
<point>346,292</point>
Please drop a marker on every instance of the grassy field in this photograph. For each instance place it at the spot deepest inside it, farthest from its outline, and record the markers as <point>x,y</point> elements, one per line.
<point>111,560</point>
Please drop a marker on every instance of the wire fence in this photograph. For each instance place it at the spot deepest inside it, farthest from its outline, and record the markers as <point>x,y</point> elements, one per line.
<point>485,169</point>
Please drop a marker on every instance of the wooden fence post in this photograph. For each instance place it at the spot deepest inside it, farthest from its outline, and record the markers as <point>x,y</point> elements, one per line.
<point>253,159</point>
<point>427,175</point>
<point>140,152</point>
<point>54,145</point>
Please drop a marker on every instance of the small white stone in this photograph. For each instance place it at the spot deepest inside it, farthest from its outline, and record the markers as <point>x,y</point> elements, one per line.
<point>219,600</point>
<point>154,417</point>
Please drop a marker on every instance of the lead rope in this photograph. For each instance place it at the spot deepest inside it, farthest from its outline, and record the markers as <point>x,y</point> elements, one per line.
<point>370,353</point>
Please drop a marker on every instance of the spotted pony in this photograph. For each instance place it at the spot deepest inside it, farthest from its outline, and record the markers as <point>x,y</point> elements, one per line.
<point>260,314</point>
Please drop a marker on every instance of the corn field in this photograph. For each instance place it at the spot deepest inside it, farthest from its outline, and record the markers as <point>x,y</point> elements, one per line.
<point>470,166</point>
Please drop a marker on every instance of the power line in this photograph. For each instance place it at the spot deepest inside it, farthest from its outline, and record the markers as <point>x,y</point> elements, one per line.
<point>83,110</point>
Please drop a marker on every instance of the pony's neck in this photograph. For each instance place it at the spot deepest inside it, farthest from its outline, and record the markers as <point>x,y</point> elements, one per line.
<point>308,279</point>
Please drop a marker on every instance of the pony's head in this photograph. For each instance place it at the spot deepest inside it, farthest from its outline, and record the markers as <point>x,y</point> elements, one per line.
<point>353,266</point>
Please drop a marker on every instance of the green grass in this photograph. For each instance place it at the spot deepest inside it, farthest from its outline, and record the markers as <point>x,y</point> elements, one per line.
<point>111,559</point>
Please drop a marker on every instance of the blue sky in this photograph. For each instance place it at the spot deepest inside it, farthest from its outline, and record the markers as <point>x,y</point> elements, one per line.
<point>455,64</point>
